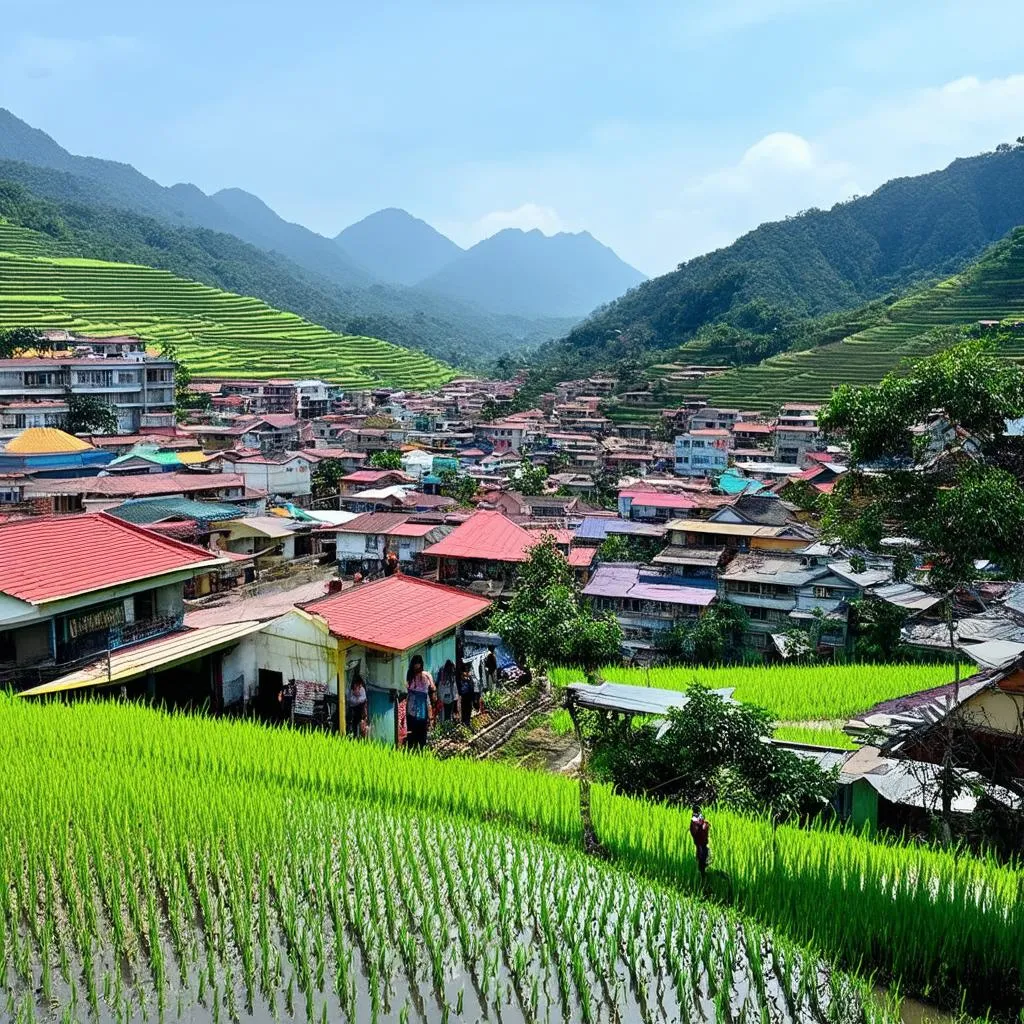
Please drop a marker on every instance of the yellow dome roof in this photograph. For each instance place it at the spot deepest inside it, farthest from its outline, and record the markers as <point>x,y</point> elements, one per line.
<point>45,441</point>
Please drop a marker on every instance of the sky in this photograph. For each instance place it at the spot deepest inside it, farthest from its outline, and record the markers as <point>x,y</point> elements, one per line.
<point>666,130</point>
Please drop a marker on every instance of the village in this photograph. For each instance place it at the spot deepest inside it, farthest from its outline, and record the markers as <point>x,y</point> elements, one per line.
<point>282,542</point>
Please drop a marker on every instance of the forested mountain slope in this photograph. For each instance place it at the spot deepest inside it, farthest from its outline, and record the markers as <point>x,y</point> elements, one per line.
<point>909,230</point>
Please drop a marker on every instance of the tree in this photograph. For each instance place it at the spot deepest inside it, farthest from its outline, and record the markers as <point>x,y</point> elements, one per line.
<point>388,459</point>
<point>618,547</point>
<point>183,397</point>
<point>878,626</point>
<point>713,751</point>
<point>716,638</point>
<point>954,499</point>
<point>944,487</point>
<point>459,486</point>
<point>88,415</point>
<point>529,479</point>
<point>17,340</point>
<point>489,411</point>
<point>326,478</point>
<point>547,623</point>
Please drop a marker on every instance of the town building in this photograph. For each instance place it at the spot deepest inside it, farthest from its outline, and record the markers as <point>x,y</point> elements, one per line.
<point>702,453</point>
<point>647,601</point>
<point>118,372</point>
<point>74,587</point>
<point>46,452</point>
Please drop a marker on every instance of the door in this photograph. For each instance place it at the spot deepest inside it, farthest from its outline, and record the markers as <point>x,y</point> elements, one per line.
<point>270,696</point>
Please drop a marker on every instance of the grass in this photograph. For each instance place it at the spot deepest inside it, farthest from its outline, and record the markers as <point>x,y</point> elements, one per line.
<point>821,737</point>
<point>169,867</point>
<point>791,694</point>
<point>216,333</point>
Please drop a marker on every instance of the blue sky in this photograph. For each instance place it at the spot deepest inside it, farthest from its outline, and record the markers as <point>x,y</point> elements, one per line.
<point>664,129</point>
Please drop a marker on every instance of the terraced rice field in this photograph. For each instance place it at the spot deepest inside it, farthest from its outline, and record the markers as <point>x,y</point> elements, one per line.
<point>216,333</point>
<point>180,869</point>
<point>992,289</point>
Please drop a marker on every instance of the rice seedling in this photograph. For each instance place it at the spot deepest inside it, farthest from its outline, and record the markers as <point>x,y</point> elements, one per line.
<point>790,693</point>
<point>272,854</point>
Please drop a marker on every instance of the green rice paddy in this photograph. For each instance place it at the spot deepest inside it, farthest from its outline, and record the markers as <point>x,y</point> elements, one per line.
<point>216,333</point>
<point>179,867</point>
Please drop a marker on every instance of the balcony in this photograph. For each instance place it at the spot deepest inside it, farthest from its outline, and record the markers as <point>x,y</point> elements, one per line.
<point>115,637</point>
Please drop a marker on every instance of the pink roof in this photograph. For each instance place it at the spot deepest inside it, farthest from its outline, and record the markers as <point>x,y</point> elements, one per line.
<point>333,453</point>
<point>56,557</point>
<point>398,612</point>
<point>486,535</point>
<point>372,476</point>
<point>654,499</point>
<point>709,432</point>
<point>752,428</point>
<point>580,557</point>
<point>278,419</point>
<point>412,529</point>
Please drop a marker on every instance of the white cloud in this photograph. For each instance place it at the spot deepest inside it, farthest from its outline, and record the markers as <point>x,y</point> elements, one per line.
<point>526,217</point>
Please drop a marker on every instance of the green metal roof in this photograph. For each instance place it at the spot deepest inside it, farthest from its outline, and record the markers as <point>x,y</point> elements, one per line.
<point>143,511</point>
<point>150,454</point>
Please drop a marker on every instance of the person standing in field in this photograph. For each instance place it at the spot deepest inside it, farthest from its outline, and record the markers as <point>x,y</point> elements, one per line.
<point>355,708</point>
<point>700,830</point>
<point>466,694</point>
<point>490,670</point>
<point>421,690</point>
<point>447,691</point>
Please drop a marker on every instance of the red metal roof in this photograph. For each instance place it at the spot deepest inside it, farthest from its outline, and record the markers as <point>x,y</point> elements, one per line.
<point>486,535</point>
<point>397,613</point>
<point>47,559</point>
<point>140,485</point>
<point>654,499</point>
<point>580,557</point>
<point>372,476</point>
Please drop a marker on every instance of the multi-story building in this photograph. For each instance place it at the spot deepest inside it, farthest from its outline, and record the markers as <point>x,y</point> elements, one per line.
<point>115,371</point>
<point>712,418</point>
<point>702,453</point>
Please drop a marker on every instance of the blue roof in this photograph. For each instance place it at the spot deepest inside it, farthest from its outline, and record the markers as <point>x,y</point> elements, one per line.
<point>142,511</point>
<point>598,528</point>
<point>733,483</point>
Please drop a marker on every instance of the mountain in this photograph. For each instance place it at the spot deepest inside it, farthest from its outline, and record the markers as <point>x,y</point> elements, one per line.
<point>908,231</point>
<point>396,247</point>
<point>454,333</point>
<point>121,185</point>
<point>881,338</point>
<point>214,332</point>
<point>531,274</point>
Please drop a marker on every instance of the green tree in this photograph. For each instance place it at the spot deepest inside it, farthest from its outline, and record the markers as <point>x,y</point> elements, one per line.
<point>529,479</point>
<point>17,340</point>
<point>716,638</point>
<point>878,626</point>
<point>713,751</point>
<point>326,478</point>
<point>388,459</point>
<point>958,503</point>
<point>88,415</point>
<point>459,486</point>
<point>547,623</point>
<point>183,398</point>
<point>489,411</point>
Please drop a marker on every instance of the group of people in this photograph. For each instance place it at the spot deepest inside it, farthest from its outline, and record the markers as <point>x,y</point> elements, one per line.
<point>456,694</point>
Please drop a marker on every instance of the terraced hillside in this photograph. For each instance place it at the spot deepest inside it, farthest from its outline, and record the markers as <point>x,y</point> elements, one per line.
<point>216,333</point>
<point>991,289</point>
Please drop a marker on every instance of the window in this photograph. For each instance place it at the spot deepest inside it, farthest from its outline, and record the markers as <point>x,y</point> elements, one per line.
<point>825,592</point>
<point>371,543</point>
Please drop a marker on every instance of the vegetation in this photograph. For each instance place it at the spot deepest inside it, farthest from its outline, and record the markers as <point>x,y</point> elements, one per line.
<point>214,333</point>
<point>325,480</point>
<point>87,415</point>
<point>945,488</point>
<point>17,341</point>
<point>711,751</point>
<point>789,693</point>
<point>459,486</point>
<point>547,621</point>
<point>390,458</point>
<point>159,893</point>
<point>528,479</point>
<point>815,263</point>
<point>715,638</point>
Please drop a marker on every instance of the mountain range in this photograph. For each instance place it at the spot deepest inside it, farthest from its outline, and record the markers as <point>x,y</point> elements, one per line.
<point>414,269</point>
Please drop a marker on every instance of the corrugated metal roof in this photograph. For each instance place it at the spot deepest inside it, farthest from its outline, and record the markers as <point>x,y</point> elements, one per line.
<point>143,511</point>
<point>489,536</point>
<point>397,613</point>
<point>632,700</point>
<point>156,655</point>
<point>47,559</point>
<point>621,580</point>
